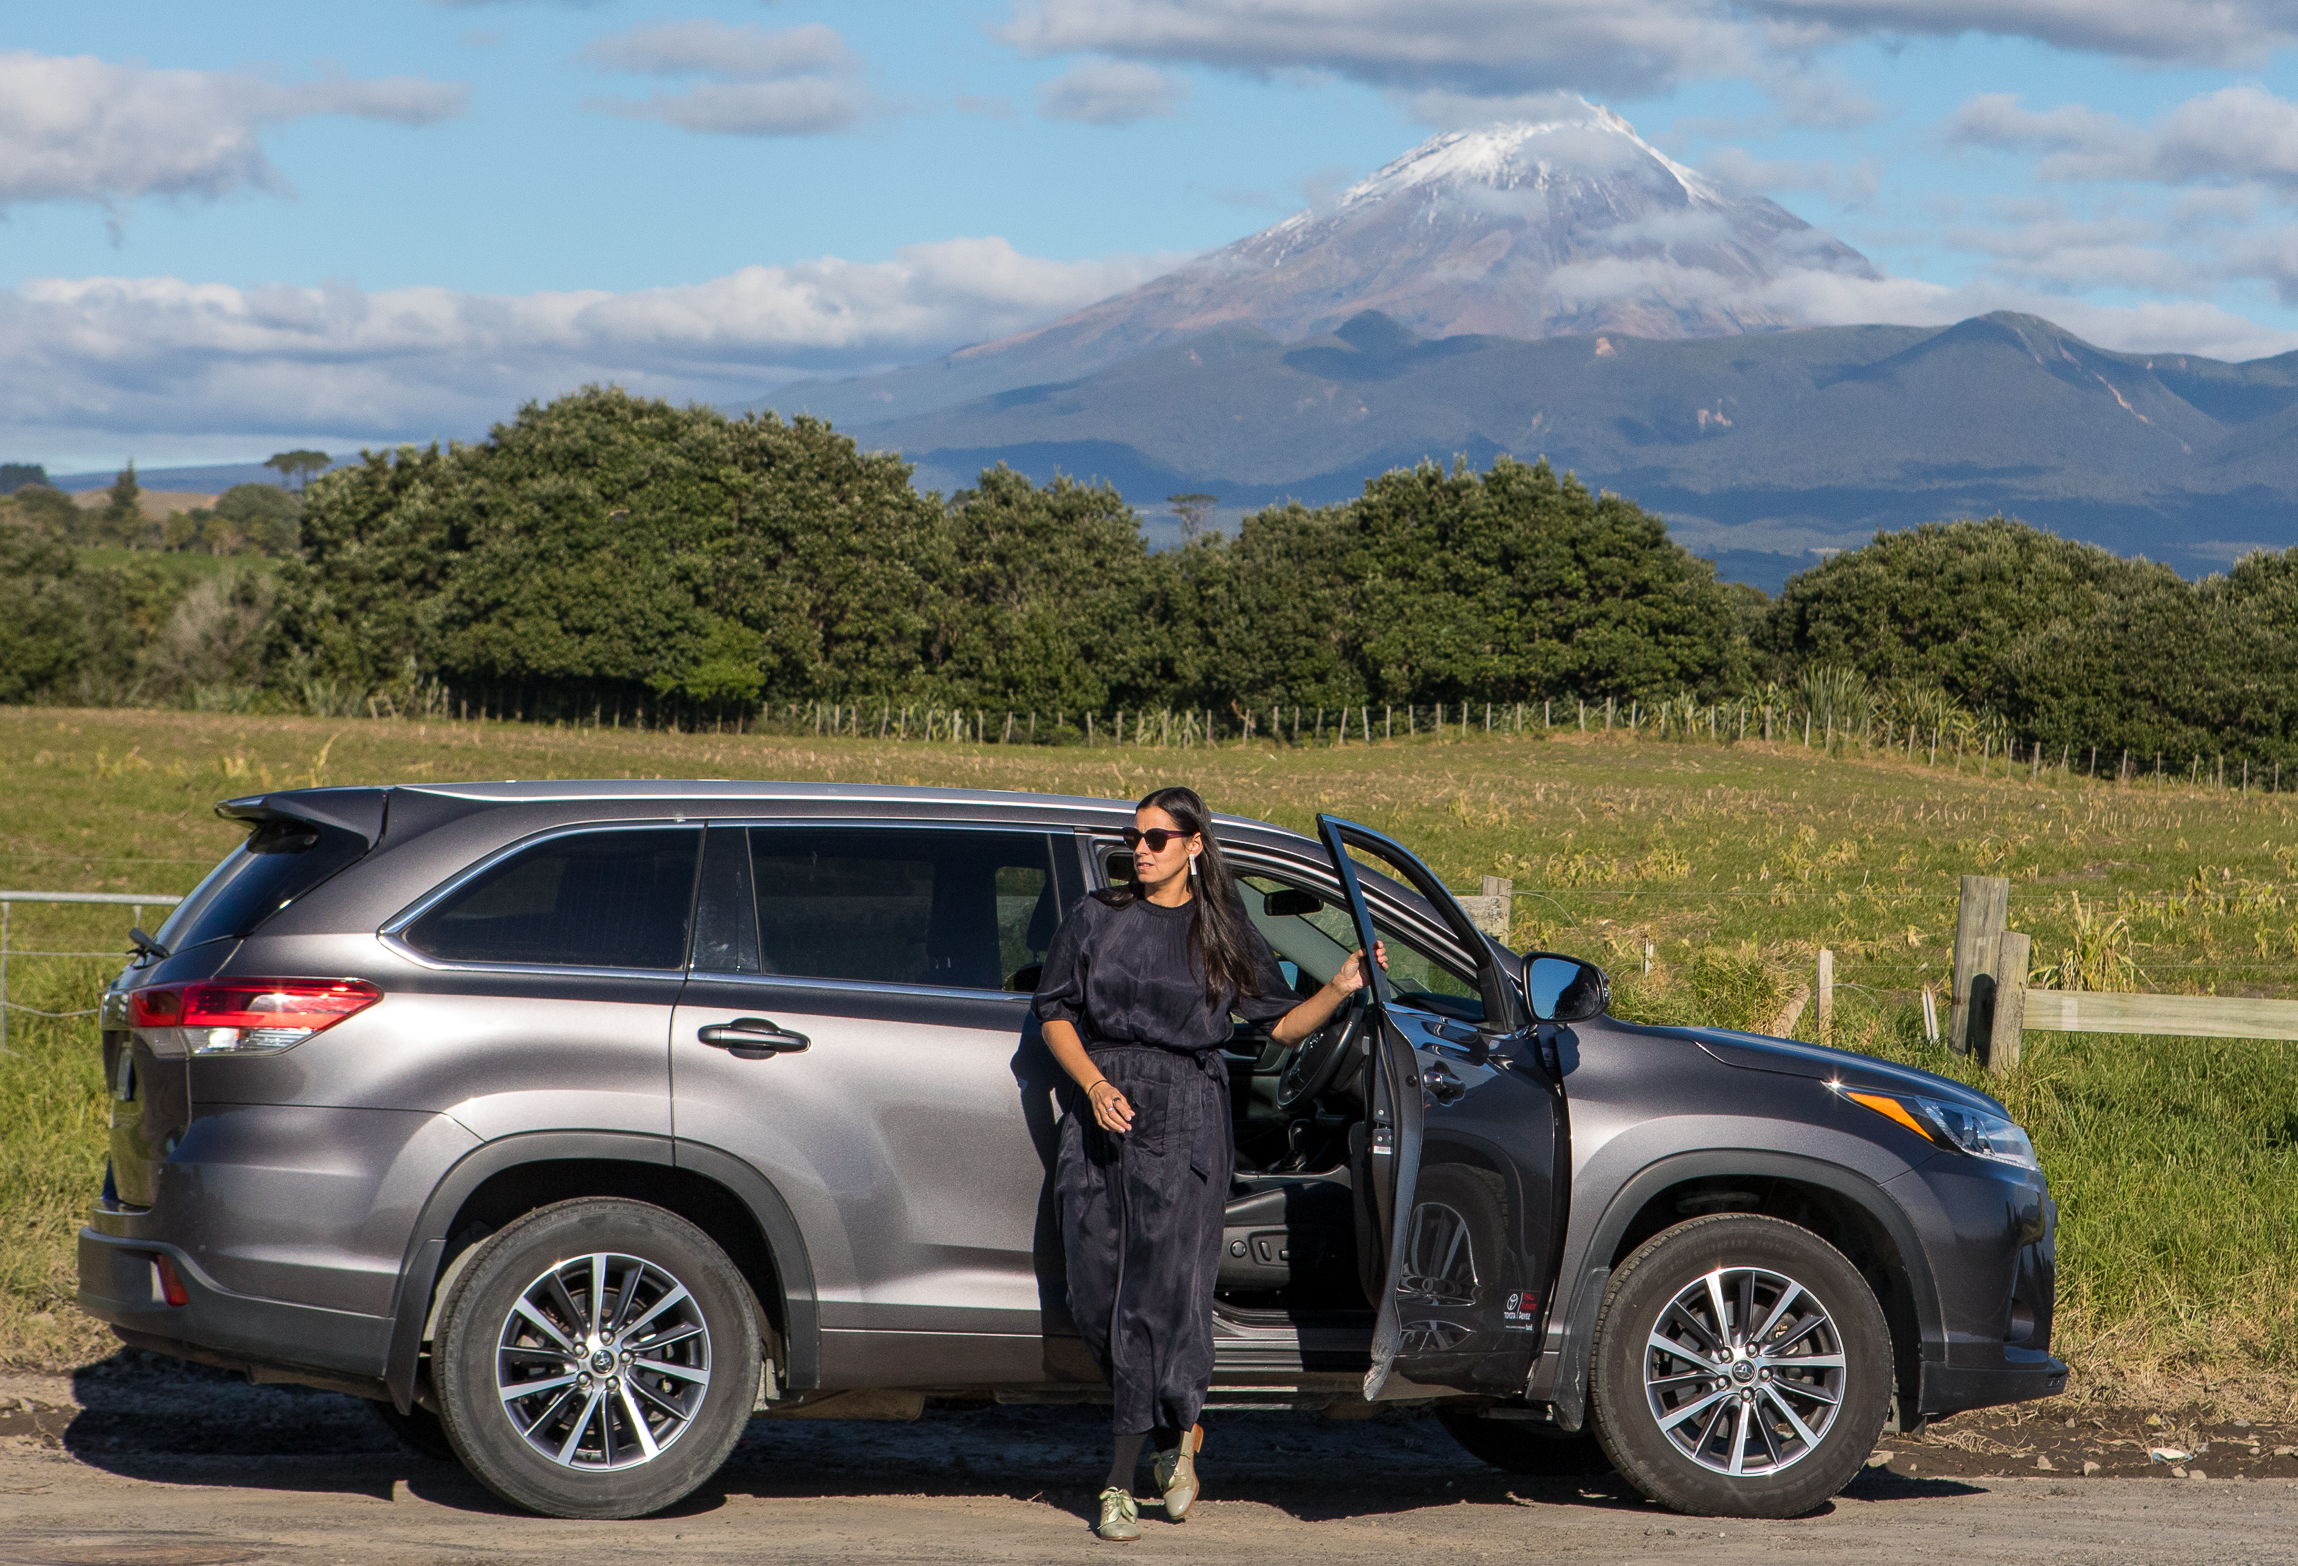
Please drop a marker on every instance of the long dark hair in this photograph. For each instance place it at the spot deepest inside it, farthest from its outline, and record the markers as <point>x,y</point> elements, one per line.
<point>1220,941</point>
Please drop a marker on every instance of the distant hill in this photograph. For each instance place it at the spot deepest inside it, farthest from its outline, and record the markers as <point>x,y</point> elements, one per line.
<point>1760,448</point>
<point>1546,228</point>
<point>210,480</point>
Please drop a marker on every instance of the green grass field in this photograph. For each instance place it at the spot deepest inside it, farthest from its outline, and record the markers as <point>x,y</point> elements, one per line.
<point>2173,1159</point>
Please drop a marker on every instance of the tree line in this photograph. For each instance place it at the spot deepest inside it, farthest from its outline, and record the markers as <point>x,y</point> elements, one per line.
<point>609,552</point>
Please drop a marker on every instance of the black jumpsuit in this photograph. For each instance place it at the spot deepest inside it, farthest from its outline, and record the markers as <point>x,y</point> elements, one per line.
<point>1141,1212</point>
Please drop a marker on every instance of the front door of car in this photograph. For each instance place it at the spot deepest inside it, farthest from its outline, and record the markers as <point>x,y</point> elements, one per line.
<point>856,1026</point>
<point>1465,1168</point>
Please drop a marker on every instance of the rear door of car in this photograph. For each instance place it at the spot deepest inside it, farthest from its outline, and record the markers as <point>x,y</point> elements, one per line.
<point>857,1027</point>
<point>1465,1171</point>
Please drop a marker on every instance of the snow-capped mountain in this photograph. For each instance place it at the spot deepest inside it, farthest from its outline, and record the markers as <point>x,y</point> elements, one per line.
<point>1547,228</point>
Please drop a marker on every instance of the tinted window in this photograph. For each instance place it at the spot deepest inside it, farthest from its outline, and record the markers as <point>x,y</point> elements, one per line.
<point>975,910</point>
<point>280,861</point>
<point>1316,944</point>
<point>590,900</point>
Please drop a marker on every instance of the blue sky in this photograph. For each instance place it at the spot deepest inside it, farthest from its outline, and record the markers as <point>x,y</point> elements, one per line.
<point>238,226</point>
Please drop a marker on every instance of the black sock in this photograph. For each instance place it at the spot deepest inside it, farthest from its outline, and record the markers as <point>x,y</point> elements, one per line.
<point>1167,1438</point>
<point>1127,1459</point>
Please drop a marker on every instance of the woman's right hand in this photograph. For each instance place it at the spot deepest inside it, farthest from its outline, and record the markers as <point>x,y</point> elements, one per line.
<point>1110,1110</point>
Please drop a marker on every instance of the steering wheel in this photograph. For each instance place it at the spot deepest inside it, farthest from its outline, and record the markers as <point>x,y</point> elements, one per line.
<point>1317,1064</point>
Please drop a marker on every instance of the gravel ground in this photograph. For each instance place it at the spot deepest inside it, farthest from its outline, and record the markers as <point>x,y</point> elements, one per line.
<point>154,1464</point>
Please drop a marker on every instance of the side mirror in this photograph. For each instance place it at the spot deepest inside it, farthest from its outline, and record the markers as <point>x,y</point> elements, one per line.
<point>1564,989</point>
<point>1290,901</point>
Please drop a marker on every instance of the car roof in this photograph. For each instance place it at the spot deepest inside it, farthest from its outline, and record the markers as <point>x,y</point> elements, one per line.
<point>1085,810</point>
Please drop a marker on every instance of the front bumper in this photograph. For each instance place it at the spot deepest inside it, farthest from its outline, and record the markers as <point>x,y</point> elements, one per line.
<point>1955,1389</point>
<point>269,1339</point>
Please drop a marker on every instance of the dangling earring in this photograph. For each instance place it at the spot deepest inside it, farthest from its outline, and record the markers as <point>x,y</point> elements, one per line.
<point>1192,867</point>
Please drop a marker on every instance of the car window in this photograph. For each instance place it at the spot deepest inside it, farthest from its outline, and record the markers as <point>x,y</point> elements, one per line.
<point>970,910</point>
<point>609,899</point>
<point>279,862</point>
<point>1315,944</point>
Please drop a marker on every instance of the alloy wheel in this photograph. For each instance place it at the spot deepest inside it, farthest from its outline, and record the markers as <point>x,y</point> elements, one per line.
<point>603,1362</point>
<point>1744,1371</point>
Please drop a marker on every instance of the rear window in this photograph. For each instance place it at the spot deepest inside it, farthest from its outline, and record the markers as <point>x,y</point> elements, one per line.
<point>617,899</point>
<point>279,862</point>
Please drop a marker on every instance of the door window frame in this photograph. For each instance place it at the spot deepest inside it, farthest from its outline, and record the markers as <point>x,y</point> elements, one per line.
<point>393,932</point>
<point>1320,877</point>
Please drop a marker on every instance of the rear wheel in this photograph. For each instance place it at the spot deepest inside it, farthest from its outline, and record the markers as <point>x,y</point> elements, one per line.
<point>1519,1446</point>
<point>1742,1368</point>
<point>597,1358</point>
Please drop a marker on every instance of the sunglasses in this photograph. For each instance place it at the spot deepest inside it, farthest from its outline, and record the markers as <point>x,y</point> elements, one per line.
<point>1155,837</point>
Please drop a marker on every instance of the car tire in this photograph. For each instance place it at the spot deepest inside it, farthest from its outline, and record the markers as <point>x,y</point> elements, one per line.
<point>635,1404</point>
<point>1771,1415</point>
<point>1519,1446</point>
<point>418,1430</point>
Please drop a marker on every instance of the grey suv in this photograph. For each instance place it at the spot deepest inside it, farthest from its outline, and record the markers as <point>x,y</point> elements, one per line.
<point>577,1123</point>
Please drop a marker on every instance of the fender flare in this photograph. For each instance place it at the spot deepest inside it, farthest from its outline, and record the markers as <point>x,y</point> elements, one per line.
<point>426,1246</point>
<point>1562,1376</point>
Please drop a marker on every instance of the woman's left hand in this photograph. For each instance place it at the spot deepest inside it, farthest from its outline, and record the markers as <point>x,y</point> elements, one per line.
<point>1351,977</point>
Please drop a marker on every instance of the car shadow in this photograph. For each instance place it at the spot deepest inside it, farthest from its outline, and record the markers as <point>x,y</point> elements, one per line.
<point>1879,1483</point>
<point>147,1417</point>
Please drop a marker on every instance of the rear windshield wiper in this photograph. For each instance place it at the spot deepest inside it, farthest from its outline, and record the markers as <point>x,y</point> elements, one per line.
<point>147,947</point>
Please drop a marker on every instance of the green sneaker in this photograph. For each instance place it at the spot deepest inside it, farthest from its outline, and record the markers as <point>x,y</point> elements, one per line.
<point>1120,1518</point>
<point>1176,1474</point>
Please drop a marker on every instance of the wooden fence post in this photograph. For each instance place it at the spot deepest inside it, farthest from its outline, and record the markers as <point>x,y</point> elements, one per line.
<point>2012,952</point>
<point>1979,918</point>
<point>1491,908</point>
<point>1824,995</point>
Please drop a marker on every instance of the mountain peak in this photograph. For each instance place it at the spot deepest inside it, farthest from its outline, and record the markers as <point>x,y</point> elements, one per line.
<point>1563,226</point>
<point>1522,154</point>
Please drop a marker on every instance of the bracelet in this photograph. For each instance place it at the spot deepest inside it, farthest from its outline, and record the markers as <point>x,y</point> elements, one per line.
<point>1102,1083</point>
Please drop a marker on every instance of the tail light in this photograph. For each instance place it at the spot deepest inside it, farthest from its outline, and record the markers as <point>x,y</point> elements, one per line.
<point>171,1281</point>
<point>243,1016</point>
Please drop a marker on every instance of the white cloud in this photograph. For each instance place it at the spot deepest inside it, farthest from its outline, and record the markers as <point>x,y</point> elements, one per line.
<point>801,81</point>
<point>76,128</point>
<point>1503,47</point>
<point>2193,326</point>
<point>1818,99</point>
<point>1444,109</point>
<point>2195,31</point>
<point>708,48</point>
<point>1850,187</point>
<point>2235,133</point>
<point>1110,92</point>
<point>807,106</point>
<point>1485,47</point>
<point>90,360</point>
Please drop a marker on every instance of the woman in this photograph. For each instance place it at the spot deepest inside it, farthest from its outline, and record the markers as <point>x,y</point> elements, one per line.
<point>1138,991</point>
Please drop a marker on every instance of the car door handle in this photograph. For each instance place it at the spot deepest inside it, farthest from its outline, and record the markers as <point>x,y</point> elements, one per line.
<point>1442,1083</point>
<point>754,1038</point>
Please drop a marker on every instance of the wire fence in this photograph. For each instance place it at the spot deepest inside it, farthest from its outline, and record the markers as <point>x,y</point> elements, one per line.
<point>136,901</point>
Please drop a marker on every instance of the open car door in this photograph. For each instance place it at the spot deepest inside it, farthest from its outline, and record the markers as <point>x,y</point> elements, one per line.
<point>1465,1169</point>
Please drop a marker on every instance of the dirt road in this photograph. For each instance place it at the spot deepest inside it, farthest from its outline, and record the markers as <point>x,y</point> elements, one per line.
<point>146,1465</point>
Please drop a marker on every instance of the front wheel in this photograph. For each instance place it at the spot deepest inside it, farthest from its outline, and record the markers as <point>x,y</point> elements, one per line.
<point>1742,1368</point>
<point>597,1358</point>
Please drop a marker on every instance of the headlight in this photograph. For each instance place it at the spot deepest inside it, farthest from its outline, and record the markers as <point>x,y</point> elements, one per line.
<point>1973,1131</point>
